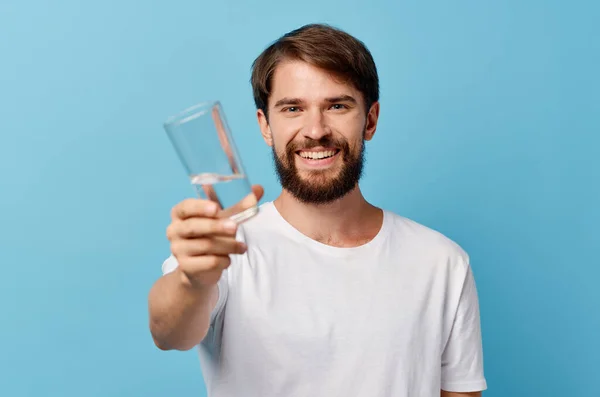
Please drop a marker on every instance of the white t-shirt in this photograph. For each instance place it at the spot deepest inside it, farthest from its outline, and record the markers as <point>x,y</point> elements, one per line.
<point>398,316</point>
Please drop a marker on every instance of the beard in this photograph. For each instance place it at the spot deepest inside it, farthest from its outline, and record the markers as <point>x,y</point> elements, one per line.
<point>320,186</point>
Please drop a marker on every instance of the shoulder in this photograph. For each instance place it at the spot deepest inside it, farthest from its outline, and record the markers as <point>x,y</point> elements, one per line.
<point>426,241</point>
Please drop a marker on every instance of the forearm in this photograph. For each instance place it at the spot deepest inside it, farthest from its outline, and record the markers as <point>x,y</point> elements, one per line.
<point>179,314</point>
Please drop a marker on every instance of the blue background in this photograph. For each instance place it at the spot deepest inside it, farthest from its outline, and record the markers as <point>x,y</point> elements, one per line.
<point>489,132</point>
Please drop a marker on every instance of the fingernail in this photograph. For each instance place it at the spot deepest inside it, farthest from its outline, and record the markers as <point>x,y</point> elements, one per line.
<point>243,247</point>
<point>230,226</point>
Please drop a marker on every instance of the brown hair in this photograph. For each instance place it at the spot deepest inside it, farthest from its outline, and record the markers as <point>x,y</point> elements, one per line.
<point>325,47</point>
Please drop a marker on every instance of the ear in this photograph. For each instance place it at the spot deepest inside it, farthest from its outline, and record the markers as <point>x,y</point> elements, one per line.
<point>265,130</point>
<point>371,124</point>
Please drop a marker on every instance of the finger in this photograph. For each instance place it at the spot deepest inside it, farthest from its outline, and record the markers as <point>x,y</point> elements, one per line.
<point>198,264</point>
<point>193,208</point>
<point>208,246</point>
<point>201,227</point>
<point>258,191</point>
<point>249,201</point>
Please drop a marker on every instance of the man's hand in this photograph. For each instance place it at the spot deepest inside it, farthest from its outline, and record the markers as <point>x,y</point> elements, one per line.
<point>180,303</point>
<point>202,237</point>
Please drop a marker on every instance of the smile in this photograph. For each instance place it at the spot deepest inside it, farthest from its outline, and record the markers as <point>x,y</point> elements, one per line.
<point>319,158</point>
<point>317,155</point>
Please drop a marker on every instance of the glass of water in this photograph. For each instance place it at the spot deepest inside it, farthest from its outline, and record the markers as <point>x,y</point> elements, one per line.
<point>204,144</point>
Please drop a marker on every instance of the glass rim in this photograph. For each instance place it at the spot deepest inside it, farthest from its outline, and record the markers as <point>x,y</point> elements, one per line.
<point>191,113</point>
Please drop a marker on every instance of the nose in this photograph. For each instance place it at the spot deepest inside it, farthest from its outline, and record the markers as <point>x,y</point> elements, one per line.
<point>316,126</point>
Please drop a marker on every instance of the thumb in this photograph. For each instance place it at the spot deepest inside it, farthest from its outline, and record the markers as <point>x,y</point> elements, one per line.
<point>258,191</point>
<point>250,200</point>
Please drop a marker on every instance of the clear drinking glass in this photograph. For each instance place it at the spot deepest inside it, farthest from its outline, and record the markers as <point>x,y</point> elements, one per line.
<point>204,144</point>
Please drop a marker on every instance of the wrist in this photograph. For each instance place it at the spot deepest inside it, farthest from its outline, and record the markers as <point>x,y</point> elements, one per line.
<point>191,287</point>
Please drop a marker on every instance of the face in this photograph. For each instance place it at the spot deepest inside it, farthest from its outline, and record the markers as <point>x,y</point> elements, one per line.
<point>316,127</point>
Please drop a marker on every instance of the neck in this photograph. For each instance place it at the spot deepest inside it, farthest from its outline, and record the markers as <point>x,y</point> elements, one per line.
<point>349,221</point>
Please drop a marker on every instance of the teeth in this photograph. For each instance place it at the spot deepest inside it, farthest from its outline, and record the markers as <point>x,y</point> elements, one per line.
<point>317,155</point>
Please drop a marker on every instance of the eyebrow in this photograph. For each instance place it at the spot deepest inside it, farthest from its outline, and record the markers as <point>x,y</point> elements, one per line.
<point>298,101</point>
<point>341,98</point>
<point>287,101</point>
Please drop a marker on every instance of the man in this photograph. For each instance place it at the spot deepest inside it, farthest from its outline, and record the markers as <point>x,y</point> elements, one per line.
<point>321,293</point>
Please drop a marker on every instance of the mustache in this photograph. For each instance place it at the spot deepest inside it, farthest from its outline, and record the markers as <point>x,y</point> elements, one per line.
<point>312,143</point>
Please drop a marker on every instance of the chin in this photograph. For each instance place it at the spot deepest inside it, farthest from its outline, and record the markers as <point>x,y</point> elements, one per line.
<point>318,176</point>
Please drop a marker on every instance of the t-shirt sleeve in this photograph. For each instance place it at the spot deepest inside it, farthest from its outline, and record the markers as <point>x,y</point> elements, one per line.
<point>462,358</point>
<point>170,264</point>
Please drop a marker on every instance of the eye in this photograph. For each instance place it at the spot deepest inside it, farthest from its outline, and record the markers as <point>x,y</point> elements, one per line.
<point>291,109</point>
<point>338,106</point>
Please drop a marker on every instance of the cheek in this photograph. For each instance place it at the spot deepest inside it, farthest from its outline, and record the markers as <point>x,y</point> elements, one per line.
<point>349,126</point>
<point>287,127</point>
<point>279,145</point>
<point>279,148</point>
<point>281,135</point>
